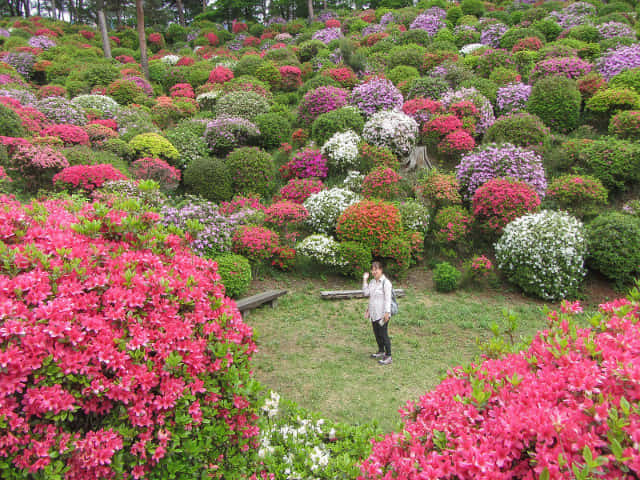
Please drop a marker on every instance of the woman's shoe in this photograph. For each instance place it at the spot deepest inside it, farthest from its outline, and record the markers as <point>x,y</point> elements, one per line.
<point>387,360</point>
<point>377,355</point>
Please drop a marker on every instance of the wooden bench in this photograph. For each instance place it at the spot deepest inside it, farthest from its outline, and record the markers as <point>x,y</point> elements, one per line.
<point>254,301</point>
<point>345,294</point>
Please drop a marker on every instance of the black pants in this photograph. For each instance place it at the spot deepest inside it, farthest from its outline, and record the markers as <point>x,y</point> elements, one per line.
<point>382,337</point>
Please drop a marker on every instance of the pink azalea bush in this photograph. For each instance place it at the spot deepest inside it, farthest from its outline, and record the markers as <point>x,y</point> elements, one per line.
<point>117,348</point>
<point>86,177</point>
<point>36,164</point>
<point>299,189</point>
<point>563,408</point>
<point>319,101</point>
<point>381,183</point>
<point>305,164</point>
<point>69,134</point>
<point>157,170</point>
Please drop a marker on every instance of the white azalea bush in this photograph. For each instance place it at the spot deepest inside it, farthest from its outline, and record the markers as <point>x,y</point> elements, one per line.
<point>392,129</point>
<point>415,216</point>
<point>170,59</point>
<point>104,104</point>
<point>342,150</point>
<point>301,445</point>
<point>321,249</point>
<point>353,181</point>
<point>326,206</point>
<point>207,100</point>
<point>543,253</point>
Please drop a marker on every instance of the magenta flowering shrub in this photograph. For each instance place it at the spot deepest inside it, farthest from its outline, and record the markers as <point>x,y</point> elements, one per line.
<point>507,161</point>
<point>615,30</point>
<point>157,170</point>
<point>560,408</point>
<point>484,110</point>
<point>118,347</point>
<point>86,177</point>
<point>570,67</point>
<point>615,61</point>
<point>305,164</point>
<point>319,101</point>
<point>376,95</point>
<point>36,164</point>
<point>492,33</point>
<point>69,134</point>
<point>428,22</point>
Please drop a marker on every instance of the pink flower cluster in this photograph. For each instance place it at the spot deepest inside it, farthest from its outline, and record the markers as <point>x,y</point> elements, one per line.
<point>319,101</point>
<point>182,90</point>
<point>69,134</point>
<point>305,164</point>
<point>562,408</point>
<point>110,347</point>
<point>157,170</point>
<point>220,74</point>
<point>290,77</point>
<point>381,183</point>
<point>87,177</point>
<point>286,213</point>
<point>299,189</point>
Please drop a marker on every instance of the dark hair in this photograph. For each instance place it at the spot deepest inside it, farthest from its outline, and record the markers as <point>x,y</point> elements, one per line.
<point>376,264</point>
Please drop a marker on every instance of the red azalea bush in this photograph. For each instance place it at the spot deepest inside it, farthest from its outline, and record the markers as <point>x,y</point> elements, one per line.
<point>69,134</point>
<point>157,170</point>
<point>372,157</point>
<point>255,243</point>
<point>32,119</point>
<point>500,201</point>
<point>237,27</point>
<point>456,143</point>
<point>286,214</point>
<point>118,347</point>
<point>590,84</point>
<point>185,62</point>
<point>87,177</point>
<point>212,38</point>
<point>290,78</point>
<point>251,42</point>
<point>239,203</point>
<point>370,222</point>
<point>125,59</point>
<point>304,164</point>
<point>46,91</point>
<point>87,34</point>
<point>581,195</point>
<point>112,124</point>
<point>99,133</point>
<point>343,75</point>
<point>299,189</point>
<point>560,409</point>
<point>422,109</point>
<point>220,74</point>
<point>440,126</point>
<point>332,23</point>
<point>528,43</point>
<point>36,164</point>
<point>182,90</point>
<point>439,189</point>
<point>381,183</point>
<point>453,226</point>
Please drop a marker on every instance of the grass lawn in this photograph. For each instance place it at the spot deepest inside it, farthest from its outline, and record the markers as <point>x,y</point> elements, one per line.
<point>316,352</point>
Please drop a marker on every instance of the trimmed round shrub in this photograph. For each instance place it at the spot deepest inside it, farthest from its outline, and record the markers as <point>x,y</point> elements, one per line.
<point>235,274</point>
<point>396,256</point>
<point>626,125</point>
<point>326,206</point>
<point>319,101</point>
<point>155,146</point>
<point>299,189</point>
<point>391,129</point>
<point>322,249</point>
<point>341,150</point>
<point>544,253</point>
<point>512,97</point>
<point>10,123</point>
<point>415,216</point>
<point>106,383</point>
<point>383,183</point>
<point>356,258</point>
<point>69,134</point>
<point>274,128</point>
<point>453,227</point>
<point>426,87</point>
<point>376,95</point>
<point>125,91</point>
<point>402,73</point>
<point>446,277</point>
<point>580,195</point>
<point>556,100</point>
<point>492,161</point>
<point>340,120</point>
<point>188,139</point>
<point>252,171</point>
<point>157,170</point>
<point>36,165</point>
<point>61,110</point>
<point>285,215</point>
<point>242,104</point>
<point>569,67</point>
<point>255,243</point>
<point>614,247</point>
<point>521,129</point>
<point>372,156</point>
<point>373,223</point>
<point>306,163</point>
<point>511,36</point>
<point>437,189</point>
<point>209,178</point>
<point>500,201</point>
<point>105,105</point>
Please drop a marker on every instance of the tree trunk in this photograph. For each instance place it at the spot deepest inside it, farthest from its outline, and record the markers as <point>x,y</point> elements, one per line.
<point>310,6</point>
<point>142,38</point>
<point>27,8</point>
<point>180,12</point>
<point>204,5</point>
<point>102,24</point>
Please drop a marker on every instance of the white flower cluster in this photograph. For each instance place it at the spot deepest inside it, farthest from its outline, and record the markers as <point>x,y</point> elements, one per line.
<point>415,216</point>
<point>207,100</point>
<point>104,104</point>
<point>353,181</point>
<point>342,150</point>
<point>391,129</point>
<point>543,253</point>
<point>322,249</point>
<point>326,206</point>
<point>271,404</point>
<point>225,62</point>
<point>170,59</point>
<point>470,48</point>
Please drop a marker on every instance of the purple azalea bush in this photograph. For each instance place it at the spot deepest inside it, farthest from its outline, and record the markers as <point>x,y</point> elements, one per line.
<point>321,100</point>
<point>23,62</point>
<point>493,161</point>
<point>372,28</point>
<point>513,96</point>
<point>570,67</point>
<point>387,18</point>
<point>42,41</point>
<point>4,33</point>
<point>142,83</point>
<point>428,22</point>
<point>615,30</point>
<point>492,33</point>
<point>376,95</point>
<point>485,109</point>
<point>61,110</point>
<point>615,61</point>
<point>224,133</point>
<point>25,97</point>
<point>327,35</point>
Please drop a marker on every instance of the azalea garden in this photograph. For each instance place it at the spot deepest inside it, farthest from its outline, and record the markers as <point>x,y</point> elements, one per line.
<point>160,161</point>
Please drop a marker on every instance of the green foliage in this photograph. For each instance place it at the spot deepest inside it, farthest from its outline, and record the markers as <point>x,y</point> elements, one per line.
<point>411,55</point>
<point>248,65</point>
<point>155,146</point>
<point>188,139</point>
<point>309,49</point>
<point>274,129</point>
<point>118,147</point>
<point>346,118</point>
<point>556,100</point>
<point>472,7</point>
<point>252,171</point>
<point>548,27</point>
<point>514,34</point>
<point>269,74</point>
<point>585,33</point>
<point>522,129</point>
<point>396,256</point>
<point>446,277</point>
<point>627,79</point>
<point>357,258</point>
<point>243,104</point>
<point>614,247</point>
<point>428,87</point>
<point>10,123</point>
<point>235,273</point>
<point>402,73</point>
<point>209,178</point>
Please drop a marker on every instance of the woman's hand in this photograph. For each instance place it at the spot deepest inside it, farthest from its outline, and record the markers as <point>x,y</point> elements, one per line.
<point>386,317</point>
<point>365,276</point>
<point>366,314</point>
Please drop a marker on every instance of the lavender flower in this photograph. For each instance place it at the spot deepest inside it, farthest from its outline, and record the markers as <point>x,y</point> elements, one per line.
<point>427,22</point>
<point>372,28</point>
<point>4,33</point>
<point>513,97</point>
<point>25,97</point>
<point>61,110</point>
<point>225,133</point>
<point>42,41</point>
<point>436,12</point>
<point>276,21</point>
<point>327,35</point>
<point>492,33</point>
<point>326,15</point>
<point>191,36</point>
<point>618,60</point>
<point>23,62</point>
<point>492,161</point>
<point>615,30</point>
<point>387,18</point>
<point>375,95</point>
<point>142,83</point>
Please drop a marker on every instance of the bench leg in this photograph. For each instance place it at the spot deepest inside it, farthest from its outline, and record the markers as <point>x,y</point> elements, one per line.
<point>245,314</point>
<point>274,303</point>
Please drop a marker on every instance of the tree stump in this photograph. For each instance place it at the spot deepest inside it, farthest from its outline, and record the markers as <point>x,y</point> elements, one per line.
<point>418,158</point>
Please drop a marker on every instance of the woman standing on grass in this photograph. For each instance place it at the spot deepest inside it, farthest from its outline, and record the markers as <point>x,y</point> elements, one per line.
<point>379,311</point>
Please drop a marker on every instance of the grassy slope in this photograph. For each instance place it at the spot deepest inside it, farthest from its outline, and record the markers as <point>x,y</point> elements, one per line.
<point>316,352</point>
